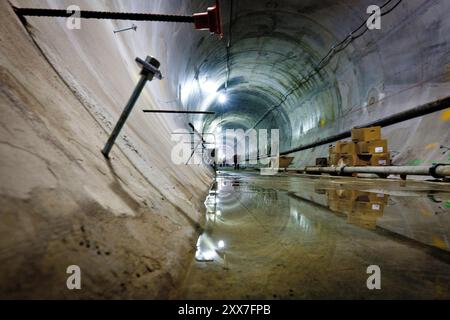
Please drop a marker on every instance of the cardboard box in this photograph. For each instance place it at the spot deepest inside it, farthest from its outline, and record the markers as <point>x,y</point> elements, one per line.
<point>348,160</point>
<point>333,159</point>
<point>378,146</point>
<point>372,147</point>
<point>345,147</point>
<point>364,160</point>
<point>366,134</point>
<point>362,147</point>
<point>382,159</point>
<point>353,160</point>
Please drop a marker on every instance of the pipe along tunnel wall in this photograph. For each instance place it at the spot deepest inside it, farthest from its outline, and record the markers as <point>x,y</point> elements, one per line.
<point>131,224</point>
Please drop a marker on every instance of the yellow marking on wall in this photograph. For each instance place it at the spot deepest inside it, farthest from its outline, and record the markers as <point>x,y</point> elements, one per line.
<point>432,146</point>
<point>440,243</point>
<point>426,213</point>
<point>323,121</point>
<point>445,116</point>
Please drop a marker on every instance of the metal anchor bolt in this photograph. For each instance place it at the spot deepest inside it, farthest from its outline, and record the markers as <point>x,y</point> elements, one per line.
<point>133,27</point>
<point>150,70</point>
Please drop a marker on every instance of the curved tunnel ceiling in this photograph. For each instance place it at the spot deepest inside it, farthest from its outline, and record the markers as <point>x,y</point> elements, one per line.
<point>270,51</point>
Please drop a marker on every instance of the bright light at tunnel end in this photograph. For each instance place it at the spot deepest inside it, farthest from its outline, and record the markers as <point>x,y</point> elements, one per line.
<point>222,98</point>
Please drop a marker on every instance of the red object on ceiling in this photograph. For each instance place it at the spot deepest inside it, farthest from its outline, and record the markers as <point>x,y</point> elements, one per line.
<point>209,20</point>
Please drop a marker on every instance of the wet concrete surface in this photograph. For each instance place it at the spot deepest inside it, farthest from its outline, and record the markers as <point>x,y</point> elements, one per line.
<point>307,237</point>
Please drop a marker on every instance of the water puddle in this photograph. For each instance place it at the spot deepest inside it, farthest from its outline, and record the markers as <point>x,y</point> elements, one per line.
<point>297,237</point>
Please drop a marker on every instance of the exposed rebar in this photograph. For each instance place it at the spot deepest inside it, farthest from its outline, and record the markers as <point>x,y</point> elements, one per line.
<point>83,14</point>
<point>178,111</point>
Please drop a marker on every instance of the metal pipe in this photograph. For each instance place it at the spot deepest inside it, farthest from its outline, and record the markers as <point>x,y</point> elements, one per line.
<point>419,111</point>
<point>124,116</point>
<point>437,171</point>
<point>148,72</point>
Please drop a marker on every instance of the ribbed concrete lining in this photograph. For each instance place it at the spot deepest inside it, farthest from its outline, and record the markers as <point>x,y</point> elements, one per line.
<point>275,43</point>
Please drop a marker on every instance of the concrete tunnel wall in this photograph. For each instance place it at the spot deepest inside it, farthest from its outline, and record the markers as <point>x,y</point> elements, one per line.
<point>276,43</point>
<point>63,204</point>
<point>131,224</point>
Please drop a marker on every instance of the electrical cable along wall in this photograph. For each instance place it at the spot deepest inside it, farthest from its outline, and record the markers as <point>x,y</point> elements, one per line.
<point>334,50</point>
<point>326,78</point>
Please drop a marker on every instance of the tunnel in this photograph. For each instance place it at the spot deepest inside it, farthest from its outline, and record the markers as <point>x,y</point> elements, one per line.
<point>288,80</point>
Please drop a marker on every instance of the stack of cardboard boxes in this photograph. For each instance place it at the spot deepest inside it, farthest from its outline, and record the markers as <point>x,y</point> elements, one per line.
<point>366,149</point>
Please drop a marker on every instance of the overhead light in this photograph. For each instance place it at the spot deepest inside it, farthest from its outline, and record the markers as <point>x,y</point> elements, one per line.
<point>209,87</point>
<point>222,98</point>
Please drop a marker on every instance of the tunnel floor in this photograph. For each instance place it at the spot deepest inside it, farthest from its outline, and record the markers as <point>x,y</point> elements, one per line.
<point>310,237</point>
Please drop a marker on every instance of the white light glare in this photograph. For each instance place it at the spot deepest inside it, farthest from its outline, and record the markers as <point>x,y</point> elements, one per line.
<point>221,244</point>
<point>209,87</point>
<point>208,255</point>
<point>222,98</point>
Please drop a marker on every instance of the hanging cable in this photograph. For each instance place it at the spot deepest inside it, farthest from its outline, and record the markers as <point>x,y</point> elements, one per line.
<point>228,53</point>
<point>334,50</point>
<point>230,27</point>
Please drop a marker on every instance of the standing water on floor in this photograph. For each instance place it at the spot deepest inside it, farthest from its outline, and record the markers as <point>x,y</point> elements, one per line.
<point>302,237</point>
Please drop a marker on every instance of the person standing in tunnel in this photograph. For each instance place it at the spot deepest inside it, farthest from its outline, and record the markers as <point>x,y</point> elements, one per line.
<point>213,157</point>
<point>235,161</point>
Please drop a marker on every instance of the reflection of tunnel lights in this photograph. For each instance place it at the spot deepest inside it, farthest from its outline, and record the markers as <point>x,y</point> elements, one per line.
<point>222,98</point>
<point>208,255</point>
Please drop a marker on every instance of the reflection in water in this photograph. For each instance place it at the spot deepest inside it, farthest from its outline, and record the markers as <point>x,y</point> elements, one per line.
<point>303,222</point>
<point>361,208</point>
<point>300,237</point>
